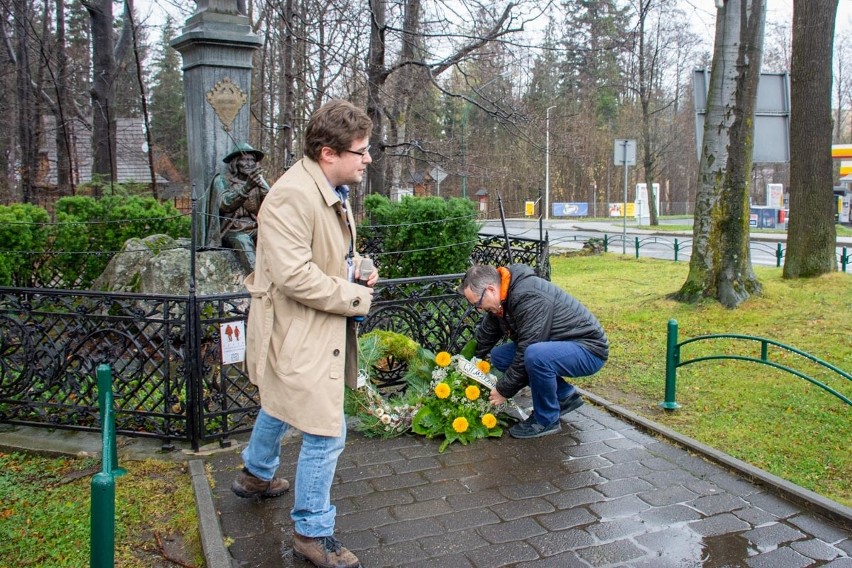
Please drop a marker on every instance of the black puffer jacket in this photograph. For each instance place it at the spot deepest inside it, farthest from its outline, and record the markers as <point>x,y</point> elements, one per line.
<point>536,310</point>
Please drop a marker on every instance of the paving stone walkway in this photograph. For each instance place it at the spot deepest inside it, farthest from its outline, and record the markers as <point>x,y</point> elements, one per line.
<point>601,493</point>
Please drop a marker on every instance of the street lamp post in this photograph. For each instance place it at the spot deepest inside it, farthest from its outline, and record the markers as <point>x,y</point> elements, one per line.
<point>547,162</point>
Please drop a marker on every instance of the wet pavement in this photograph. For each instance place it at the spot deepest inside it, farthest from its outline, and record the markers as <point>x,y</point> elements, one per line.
<point>601,493</point>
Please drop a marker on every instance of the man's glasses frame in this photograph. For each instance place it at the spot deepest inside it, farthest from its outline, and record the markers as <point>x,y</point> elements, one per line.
<point>361,153</point>
<point>478,304</point>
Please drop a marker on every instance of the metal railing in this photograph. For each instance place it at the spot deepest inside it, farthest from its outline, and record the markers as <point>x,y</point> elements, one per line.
<point>674,361</point>
<point>165,351</point>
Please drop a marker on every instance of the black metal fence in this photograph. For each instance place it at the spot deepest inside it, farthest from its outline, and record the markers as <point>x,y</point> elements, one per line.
<point>169,379</point>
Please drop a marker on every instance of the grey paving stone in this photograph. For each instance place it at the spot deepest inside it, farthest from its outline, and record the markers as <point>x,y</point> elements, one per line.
<point>595,436</point>
<point>845,546</point>
<point>845,562</point>
<point>668,478</point>
<point>555,543</point>
<point>344,490</point>
<point>674,546</point>
<point>475,500</point>
<point>446,561</point>
<point>719,524</point>
<point>769,537</point>
<point>438,490</point>
<point>528,490</point>
<point>779,558</point>
<point>517,530</point>
<point>566,519</point>
<point>820,528</point>
<point>585,463</point>
<point>469,518</point>
<point>523,508</point>
<point>620,507</point>
<point>402,531</point>
<point>425,463</point>
<point>670,496</point>
<point>815,549</point>
<point>564,560</point>
<point>575,497</point>
<point>772,503</point>
<point>706,487</point>
<point>381,499</point>
<point>622,487</point>
<point>575,480</point>
<point>358,519</point>
<point>755,516</point>
<point>590,449</point>
<point>358,540</point>
<point>655,463</point>
<point>623,470</point>
<point>360,472</point>
<point>665,516</point>
<point>394,554</point>
<point>420,509</point>
<point>713,504</point>
<point>438,547</point>
<point>733,484</point>
<point>606,531</point>
<point>400,481</point>
<point>505,554</point>
<point>613,553</point>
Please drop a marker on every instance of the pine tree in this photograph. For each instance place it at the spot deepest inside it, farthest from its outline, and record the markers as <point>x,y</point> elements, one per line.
<point>168,114</point>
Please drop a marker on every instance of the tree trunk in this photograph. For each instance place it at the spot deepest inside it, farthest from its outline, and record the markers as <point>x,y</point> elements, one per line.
<point>375,82</point>
<point>64,168</point>
<point>720,266</point>
<point>27,101</point>
<point>811,235</point>
<point>103,64</point>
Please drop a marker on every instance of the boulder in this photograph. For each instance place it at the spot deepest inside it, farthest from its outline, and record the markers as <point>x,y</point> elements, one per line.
<point>159,264</point>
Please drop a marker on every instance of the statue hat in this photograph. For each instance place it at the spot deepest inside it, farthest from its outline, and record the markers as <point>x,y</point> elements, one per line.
<point>243,148</point>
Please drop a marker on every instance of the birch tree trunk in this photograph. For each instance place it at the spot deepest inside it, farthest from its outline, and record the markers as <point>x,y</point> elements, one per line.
<point>811,234</point>
<point>720,266</point>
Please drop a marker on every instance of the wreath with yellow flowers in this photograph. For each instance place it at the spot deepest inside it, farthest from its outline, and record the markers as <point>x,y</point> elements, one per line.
<point>445,395</point>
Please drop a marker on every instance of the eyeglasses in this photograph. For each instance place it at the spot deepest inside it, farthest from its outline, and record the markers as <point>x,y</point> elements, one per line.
<point>361,153</point>
<point>478,304</point>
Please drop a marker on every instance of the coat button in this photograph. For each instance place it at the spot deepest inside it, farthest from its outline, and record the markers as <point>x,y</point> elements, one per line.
<point>356,303</point>
<point>336,352</point>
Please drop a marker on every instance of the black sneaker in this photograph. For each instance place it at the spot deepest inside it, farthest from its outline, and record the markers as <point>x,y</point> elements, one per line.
<point>529,428</point>
<point>570,404</point>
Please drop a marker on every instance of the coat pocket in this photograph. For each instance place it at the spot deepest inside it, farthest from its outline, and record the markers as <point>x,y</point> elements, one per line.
<point>291,347</point>
<point>259,329</point>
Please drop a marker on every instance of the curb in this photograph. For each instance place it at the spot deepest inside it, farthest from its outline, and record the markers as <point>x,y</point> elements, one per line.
<point>805,498</point>
<point>212,541</point>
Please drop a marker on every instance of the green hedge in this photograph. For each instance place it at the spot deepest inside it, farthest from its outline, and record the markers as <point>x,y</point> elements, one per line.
<point>74,250</point>
<point>421,236</point>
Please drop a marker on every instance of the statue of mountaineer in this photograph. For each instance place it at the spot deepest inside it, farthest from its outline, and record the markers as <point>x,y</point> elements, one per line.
<point>232,203</point>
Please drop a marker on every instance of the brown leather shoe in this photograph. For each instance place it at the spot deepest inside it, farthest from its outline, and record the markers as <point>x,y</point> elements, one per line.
<point>323,552</point>
<point>247,485</point>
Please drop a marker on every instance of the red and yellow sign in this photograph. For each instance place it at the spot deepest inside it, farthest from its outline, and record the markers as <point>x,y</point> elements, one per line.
<point>843,152</point>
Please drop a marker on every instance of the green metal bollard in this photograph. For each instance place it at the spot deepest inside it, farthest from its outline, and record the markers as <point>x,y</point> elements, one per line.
<point>676,249</point>
<point>779,254</point>
<point>672,359</point>
<point>844,260</point>
<point>637,247</point>
<point>102,537</point>
<point>606,242</point>
<point>105,402</point>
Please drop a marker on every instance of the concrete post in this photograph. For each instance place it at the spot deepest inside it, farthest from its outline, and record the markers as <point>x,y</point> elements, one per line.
<point>216,44</point>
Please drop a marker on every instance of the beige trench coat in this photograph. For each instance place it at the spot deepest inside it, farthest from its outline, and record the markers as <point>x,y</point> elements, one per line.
<point>300,346</point>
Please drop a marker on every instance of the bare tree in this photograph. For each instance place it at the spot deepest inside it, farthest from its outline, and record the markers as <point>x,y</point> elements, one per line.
<point>720,265</point>
<point>811,234</point>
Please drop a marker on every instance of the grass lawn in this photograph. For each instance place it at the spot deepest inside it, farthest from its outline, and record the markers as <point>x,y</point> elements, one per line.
<point>44,513</point>
<point>766,417</point>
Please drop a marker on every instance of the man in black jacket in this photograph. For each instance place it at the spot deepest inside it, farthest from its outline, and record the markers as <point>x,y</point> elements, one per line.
<point>552,336</point>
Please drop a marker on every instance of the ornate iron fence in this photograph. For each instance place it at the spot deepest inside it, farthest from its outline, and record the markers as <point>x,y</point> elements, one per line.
<point>169,379</point>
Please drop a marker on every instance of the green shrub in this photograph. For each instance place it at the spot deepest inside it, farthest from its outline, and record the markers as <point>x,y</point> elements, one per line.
<point>24,232</point>
<point>421,236</point>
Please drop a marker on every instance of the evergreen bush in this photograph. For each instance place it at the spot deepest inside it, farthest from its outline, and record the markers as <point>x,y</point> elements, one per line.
<point>24,234</point>
<point>421,236</point>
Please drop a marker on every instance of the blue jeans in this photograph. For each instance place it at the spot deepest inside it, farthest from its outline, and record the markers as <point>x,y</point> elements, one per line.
<point>546,363</point>
<point>312,514</point>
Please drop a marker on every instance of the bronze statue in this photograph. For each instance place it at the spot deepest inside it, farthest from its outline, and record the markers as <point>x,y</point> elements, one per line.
<point>233,201</point>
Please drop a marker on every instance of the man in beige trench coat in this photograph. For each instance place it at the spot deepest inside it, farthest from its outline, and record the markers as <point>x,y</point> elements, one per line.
<point>301,343</point>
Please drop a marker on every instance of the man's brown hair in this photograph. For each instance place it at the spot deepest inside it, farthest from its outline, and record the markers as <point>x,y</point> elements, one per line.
<point>336,124</point>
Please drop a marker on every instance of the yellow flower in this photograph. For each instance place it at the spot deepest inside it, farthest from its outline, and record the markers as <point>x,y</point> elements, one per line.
<point>472,392</point>
<point>460,424</point>
<point>489,420</point>
<point>443,359</point>
<point>442,390</point>
<point>483,366</point>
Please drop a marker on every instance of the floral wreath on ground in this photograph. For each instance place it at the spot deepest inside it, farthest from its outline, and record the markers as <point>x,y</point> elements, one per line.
<point>445,395</point>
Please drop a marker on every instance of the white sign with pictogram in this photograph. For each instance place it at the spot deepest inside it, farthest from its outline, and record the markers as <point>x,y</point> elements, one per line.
<point>232,338</point>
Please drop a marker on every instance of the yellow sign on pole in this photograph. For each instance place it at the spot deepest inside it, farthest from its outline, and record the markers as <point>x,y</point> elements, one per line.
<point>529,208</point>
